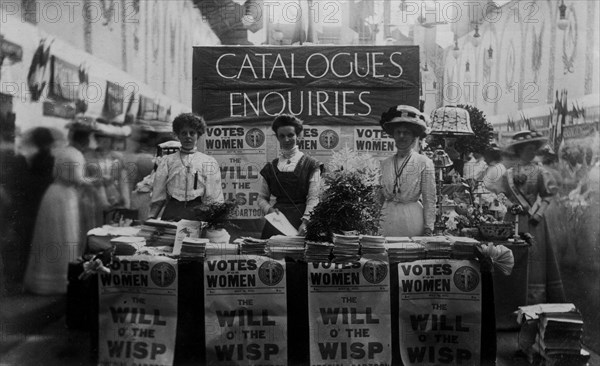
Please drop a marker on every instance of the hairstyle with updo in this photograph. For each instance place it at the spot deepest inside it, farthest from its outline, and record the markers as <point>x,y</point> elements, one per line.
<point>189,120</point>
<point>287,120</point>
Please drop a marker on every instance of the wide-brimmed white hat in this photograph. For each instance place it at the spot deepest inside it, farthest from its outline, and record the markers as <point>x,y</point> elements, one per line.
<point>403,114</point>
<point>526,137</point>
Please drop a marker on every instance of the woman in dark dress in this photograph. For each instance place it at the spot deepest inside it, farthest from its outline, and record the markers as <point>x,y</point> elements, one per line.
<point>293,179</point>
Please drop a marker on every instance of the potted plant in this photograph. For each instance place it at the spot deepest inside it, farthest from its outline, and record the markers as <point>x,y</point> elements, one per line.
<point>215,217</point>
<point>350,200</point>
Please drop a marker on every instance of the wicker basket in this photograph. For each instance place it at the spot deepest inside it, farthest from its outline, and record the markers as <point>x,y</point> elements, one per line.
<point>500,231</point>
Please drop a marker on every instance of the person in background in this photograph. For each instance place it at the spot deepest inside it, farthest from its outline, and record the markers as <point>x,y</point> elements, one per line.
<point>407,178</point>
<point>475,168</point>
<point>106,167</point>
<point>492,177</point>
<point>187,178</point>
<point>13,208</point>
<point>57,236</point>
<point>293,179</point>
<point>531,186</point>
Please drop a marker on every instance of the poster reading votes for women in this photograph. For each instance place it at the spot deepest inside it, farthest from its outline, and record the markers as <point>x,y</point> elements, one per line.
<point>440,312</point>
<point>241,154</point>
<point>322,85</point>
<point>349,313</point>
<point>374,141</point>
<point>138,311</point>
<point>245,311</point>
<point>319,141</point>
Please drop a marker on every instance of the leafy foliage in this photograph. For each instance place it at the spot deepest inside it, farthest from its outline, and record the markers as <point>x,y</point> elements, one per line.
<point>465,144</point>
<point>350,200</point>
<point>216,215</point>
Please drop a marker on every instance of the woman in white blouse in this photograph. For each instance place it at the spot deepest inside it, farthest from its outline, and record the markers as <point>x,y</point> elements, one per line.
<point>407,178</point>
<point>187,178</point>
<point>293,179</point>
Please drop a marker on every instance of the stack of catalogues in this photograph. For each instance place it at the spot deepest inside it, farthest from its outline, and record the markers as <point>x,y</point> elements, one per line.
<point>402,249</point>
<point>159,233</point>
<point>345,248</point>
<point>463,247</point>
<point>194,247</point>
<point>127,245</point>
<point>317,251</point>
<point>281,246</point>
<point>372,245</point>
<point>436,247</point>
<point>253,246</point>
<point>213,249</point>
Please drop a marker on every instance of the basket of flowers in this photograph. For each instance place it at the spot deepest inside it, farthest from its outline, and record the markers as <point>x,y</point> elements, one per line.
<point>496,231</point>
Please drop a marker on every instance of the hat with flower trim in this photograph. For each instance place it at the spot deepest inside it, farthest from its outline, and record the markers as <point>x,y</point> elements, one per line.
<point>526,137</point>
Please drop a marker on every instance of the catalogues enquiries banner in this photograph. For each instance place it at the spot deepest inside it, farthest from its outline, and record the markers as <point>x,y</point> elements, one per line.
<point>138,311</point>
<point>245,311</point>
<point>349,313</point>
<point>440,312</point>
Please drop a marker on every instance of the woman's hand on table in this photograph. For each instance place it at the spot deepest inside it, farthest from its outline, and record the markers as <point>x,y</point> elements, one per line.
<point>302,228</point>
<point>273,209</point>
<point>427,232</point>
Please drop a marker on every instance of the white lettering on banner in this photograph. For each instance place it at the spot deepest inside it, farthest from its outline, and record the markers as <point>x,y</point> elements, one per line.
<point>349,327</point>
<point>138,311</point>
<point>361,65</point>
<point>326,103</point>
<point>440,312</point>
<point>245,310</point>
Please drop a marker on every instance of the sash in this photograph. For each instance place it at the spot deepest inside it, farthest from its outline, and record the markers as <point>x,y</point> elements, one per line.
<point>515,191</point>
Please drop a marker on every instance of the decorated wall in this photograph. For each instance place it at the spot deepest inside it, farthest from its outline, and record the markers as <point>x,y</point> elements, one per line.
<point>533,65</point>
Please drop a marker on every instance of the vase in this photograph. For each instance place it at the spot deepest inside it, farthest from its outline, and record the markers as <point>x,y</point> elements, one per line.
<point>217,236</point>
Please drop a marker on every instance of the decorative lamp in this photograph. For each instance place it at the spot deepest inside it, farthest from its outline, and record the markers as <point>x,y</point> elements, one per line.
<point>455,50</point>
<point>441,159</point>
<point>476,40</point>
<point>451,121</point>
<point>563,22</point>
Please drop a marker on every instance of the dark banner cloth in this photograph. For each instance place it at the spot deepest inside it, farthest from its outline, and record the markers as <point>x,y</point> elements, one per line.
<point>320,84</point>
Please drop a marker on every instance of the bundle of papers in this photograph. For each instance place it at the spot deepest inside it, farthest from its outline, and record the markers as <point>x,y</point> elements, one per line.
<point>463,247</point>
<point>345,248</point>
<point>317,251</point>
<point>158,232</point>
<point>436,247</point>
<point>552,333</point>
<point>253,246</point>
<point>127,245</point>
<point>221,249</point>
<point>402,249</point>
<point>370,245</point>
<point>194,247</point>
<point>281,247</point>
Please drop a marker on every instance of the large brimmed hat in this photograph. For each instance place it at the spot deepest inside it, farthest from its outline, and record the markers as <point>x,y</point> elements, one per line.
<point>403,114</point>
<point>526,137</point>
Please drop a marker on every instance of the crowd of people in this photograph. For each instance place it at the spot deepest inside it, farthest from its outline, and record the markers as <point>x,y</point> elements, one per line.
<point>60,194</point>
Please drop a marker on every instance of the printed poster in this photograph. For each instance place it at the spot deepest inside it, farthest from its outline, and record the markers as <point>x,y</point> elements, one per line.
<point>374,141</point>
<point>440,312</point>
<point>241,153</point>
<point>319,142</point>
<point>138,311</point>
<point>245,311</point>
<point>349,313</point>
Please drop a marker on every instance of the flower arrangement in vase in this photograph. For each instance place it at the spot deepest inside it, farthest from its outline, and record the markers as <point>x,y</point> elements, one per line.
<point>350,199</point>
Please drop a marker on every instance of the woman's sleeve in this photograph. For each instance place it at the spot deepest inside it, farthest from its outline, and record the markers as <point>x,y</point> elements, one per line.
<point>547,186</point>
<point>159,188</point>
<point>428,194</point>
<point>78,172</point>
<point>213,192</point>
<point>312,198</point>
<point>264,195</point>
